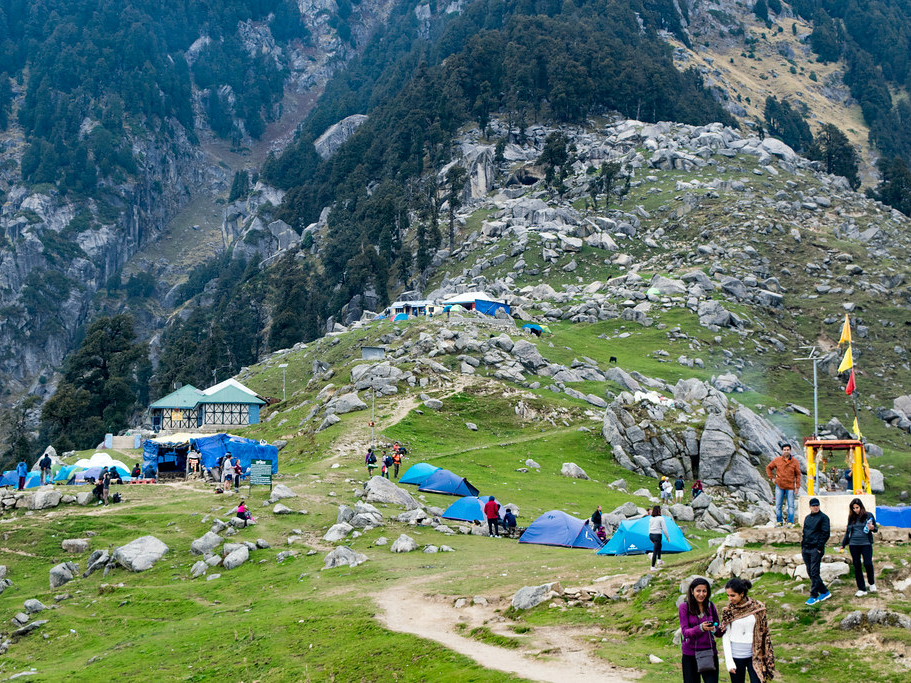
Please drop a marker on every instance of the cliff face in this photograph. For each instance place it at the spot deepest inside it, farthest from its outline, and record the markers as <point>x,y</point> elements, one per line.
<point>58,252</point>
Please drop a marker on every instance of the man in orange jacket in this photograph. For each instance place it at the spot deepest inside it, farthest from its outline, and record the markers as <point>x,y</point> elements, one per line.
<point>784,473</point>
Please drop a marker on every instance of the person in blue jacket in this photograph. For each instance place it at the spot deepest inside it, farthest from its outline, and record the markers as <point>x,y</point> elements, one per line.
<point>22,473</point>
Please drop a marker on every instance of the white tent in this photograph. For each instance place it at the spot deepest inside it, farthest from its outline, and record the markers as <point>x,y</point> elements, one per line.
<point>100,460</point>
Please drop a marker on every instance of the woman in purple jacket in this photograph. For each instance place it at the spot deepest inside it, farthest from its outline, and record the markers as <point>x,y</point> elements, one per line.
<point>699,628</point>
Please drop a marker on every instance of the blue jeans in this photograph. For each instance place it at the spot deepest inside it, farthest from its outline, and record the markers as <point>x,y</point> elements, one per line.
<point>779,494</point>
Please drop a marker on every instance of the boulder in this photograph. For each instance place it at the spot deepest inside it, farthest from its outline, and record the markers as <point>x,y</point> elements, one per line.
<point>381,490</point>
<point>532,464</point>
<point>683,513</point>
<point>75,545</point>
<point>433,404</point>
<point>571,469</point>
<point>877,481</point>
<point>97,560</point>
<point>236,557</point>
<point>528,355</point>
<point>198,569</point>
<point>33,606</point>
<point>281,491</point>
<point>532,596</point>
<point>141,554</point>
<point>62,573</point>
<point>404,544</point>
<point>205,544</point>
<point>337,532</point>
<point>828,571</point>
<point>346,403</point>
<point>84,498</point>
<point>345,514</point>
<point>343,556</point>
<point>701,502</point>
<point>328,422</point>
<point>281,509</point>
<point>43,499</point>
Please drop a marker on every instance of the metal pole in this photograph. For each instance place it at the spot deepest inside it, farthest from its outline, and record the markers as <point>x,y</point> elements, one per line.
<point>815,402</point>
<point>373,419</point>
<point>283,381</point>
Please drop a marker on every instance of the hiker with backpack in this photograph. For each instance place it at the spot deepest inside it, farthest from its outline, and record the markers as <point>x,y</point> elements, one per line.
<point>386,461</point>
<point>370,462</point>
<point>45,465</point>
<point>398,452</point>
<point>698,631</point>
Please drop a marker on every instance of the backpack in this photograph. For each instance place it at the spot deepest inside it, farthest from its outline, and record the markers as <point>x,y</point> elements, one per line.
<point>387,461</point>
<point>116,498</point>
<point>371,459</point>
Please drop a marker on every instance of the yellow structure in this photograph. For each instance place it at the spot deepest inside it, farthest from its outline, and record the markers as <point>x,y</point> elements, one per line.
<point>820,451</point>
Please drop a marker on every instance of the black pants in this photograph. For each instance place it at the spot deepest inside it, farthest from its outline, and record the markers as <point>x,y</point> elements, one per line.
<point>236,481</point>
<point>744,667</point>
<point>656,549</point>
<point>691,671</point>
<point>395,468</point>
<point>812,557</point>
<point>864,552</point>
<point>493,527</point>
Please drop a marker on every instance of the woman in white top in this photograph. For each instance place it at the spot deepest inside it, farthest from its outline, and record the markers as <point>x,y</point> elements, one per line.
<point>746,641</point>
<point>657,528</point>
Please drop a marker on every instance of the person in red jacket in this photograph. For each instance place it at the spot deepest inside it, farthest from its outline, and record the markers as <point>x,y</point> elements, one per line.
<point>492,513</point>
<point>784,472</point>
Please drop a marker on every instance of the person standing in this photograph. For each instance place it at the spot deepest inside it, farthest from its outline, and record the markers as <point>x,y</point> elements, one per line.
<point>816,533</point>
<point>859,539</point>
<point>597,518</point>
<point>105,484</point>
<point>22,473</point>
<point>387,464</point>
<point>657,530</point>
<point>746,641</point>
<point>784,473</point>
<point>237,472</point>
<point>698,629</point>
<point>679,486</point>
<point>492,513</point>
<point>396,461</point>
<point>45,465</point>
<point>370,462</point>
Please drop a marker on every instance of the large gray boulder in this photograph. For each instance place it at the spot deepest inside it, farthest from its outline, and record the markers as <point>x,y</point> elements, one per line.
<point>97,560</point>
<point>346,403</point>
<point>335,135</point>
<point>337,532</point>
<point>691,390</point>
<point>404,544</point>
<point>62,573</point>
<point>236,557</point>
<point>343,556</point>
<point>381,490</point>
<point>141,554</point>
<point>877,481</point>
<point>279,492</point>
<point>33,606</point>
<point>75,545</point>
<point>44,498</point>
<point>571,469</point>
<point>206,543</point>
<point>528,355</point>
<point>667,286</point>
<point>532,596</point>
<point>759,436</point>
<point>716,447</point>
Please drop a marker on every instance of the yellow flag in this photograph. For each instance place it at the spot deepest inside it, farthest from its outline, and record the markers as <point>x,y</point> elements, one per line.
<point>845,332</point>
<point>847,362</point>
<point>856,428</point>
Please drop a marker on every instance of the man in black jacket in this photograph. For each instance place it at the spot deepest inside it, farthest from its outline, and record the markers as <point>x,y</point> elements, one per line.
<point>812,547</point>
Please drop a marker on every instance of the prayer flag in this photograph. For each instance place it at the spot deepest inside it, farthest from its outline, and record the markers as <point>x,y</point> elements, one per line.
<point>847,362</point>
<point>857,428</point>
<point>851,387</point>
<point>845,332</point>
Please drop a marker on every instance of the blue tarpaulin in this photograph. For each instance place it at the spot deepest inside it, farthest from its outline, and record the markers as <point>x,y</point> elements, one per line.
<point>444,481</point>
<point>490,307</point>
<point>631,538</point>
<point>165,457</point>
<point>558,528</point>
<point>893,516</point>
<point>418,473</point>
<point>211,448</point>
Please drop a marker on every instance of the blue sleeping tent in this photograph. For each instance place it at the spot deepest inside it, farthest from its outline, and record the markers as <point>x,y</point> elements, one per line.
<point>444,481</point>
<point>9,478</point>
<point>558,528</point>
<point>65,473</point>
<point>467,509</point>
<point>418,473</point>
<point>400,317</point>
<point>631,538</point>
<point>893,516</point>
<point>32,480</point>
<point>490,307</point>
<point>211,448</point>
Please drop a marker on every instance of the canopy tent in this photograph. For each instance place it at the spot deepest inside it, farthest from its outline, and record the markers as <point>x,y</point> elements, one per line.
<point>631,538</point>
<point>558,528</point>
<point>101,460</point>
<point>418,473</point>
<point>211,448</point>
<point>535,326</point>
<point>446,482</point>
<point>467,509</point>
<point>893,516</point>
<point>164,457</point>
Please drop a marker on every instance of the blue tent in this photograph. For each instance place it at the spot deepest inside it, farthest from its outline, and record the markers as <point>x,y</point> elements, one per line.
<point>631,538</point>
<point>400,317</point>
<point>64,474</point>
<point>467,509</point>
<point>489,307</point>
<point>165,457</point>
<point>444,481</point>
<point>211,448</point>
<point>893,516</point>
<point>558,528</point>
<point>32,481</point>
<point>379,317</point>
<point>9,478</point>
<point>418,473</point>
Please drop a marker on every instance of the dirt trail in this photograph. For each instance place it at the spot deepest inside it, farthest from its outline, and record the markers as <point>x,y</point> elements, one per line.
<point>568,658</point>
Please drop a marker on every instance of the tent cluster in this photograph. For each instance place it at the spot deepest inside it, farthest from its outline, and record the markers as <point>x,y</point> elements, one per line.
<point>552,528</point>
<point>78,473</point>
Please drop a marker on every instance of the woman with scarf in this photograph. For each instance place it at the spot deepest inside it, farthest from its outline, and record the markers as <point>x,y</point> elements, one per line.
<point>698,630</point>
<point>747,643</point>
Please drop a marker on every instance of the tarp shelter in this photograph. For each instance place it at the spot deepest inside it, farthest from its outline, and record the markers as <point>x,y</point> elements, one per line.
<point>467,509</point>
<point>490,307</point>
<point>558,528</point>
<point>444,481</point>
<point>211,448</point>
<point>893,516</point>
<point>418,473</point>
<point>631,538</point>
<point>166,456</point>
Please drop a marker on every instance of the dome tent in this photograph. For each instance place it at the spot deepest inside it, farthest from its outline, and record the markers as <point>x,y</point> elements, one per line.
<point>446,482</point>
<point>467,509</point>
<point>418,473</point>
<point>558,528</point>
<point>631,538</point>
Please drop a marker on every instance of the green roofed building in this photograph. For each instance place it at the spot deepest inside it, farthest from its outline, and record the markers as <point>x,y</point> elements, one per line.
<point>227,404</point>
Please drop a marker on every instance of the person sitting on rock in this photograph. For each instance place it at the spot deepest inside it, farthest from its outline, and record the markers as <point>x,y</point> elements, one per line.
<point>244,513</point>
<point>509,523</point>
<point>697,488</point>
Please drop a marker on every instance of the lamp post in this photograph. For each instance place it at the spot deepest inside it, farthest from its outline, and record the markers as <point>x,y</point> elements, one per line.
<point>283,366</point>
<point>813,355</point>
